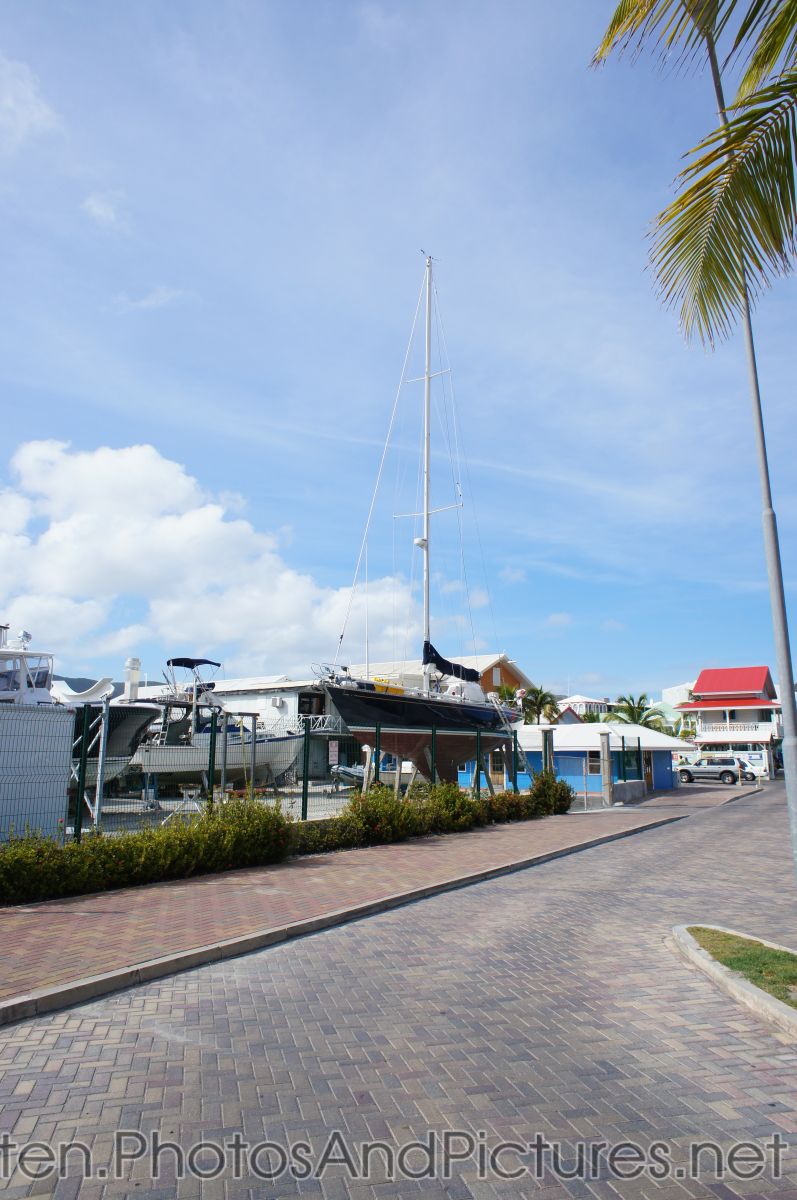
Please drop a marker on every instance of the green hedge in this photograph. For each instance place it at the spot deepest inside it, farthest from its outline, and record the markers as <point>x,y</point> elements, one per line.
<point>247,833</point>
<point>380,816</point>
<point>240,833</point>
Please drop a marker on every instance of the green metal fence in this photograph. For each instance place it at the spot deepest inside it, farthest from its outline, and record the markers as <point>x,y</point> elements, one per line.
<point>55,779</point>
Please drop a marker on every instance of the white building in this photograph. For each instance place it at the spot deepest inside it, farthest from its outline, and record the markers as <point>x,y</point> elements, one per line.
<point>584,705</point>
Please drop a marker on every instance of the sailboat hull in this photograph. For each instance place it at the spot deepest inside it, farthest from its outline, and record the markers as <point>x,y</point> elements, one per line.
<point>407,725</point>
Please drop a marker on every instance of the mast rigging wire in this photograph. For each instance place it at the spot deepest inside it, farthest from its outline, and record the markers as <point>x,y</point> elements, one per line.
<point>379,476</point>
<point>471,492</point>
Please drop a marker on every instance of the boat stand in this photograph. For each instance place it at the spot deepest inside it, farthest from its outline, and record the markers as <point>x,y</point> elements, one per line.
<point>189,802</point>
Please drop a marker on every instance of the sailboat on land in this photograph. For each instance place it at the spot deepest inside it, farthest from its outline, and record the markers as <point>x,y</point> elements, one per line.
<point>435,726</point>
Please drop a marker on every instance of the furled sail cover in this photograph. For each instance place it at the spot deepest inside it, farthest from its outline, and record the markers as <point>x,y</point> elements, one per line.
<point>430,655</point>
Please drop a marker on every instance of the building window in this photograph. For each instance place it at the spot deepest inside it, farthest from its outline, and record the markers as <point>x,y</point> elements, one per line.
<point>593,762</point>
<point>496,676</point>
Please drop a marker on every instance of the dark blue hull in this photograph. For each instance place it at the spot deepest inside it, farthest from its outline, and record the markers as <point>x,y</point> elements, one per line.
<point>417,727</point>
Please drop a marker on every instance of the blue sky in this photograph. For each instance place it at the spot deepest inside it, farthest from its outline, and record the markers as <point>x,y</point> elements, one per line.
<point>212,218</point>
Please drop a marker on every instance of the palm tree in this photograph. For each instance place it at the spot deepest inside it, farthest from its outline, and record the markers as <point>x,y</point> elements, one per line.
<point>716,264</point>
<point>539,703</point>
<point>739,202</point>
<point>637,710</point>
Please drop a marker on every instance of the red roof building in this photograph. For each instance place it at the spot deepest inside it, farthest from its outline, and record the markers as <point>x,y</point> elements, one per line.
<point>736,709</point>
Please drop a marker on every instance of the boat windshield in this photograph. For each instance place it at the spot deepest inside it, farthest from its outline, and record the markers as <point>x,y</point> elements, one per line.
<point>9,673</point>
<point>25,672</point>
<point>39,670</point>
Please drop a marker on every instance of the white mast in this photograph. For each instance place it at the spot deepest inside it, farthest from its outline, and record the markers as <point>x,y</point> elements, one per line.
<point>367,655</point>
<point>427,431</point>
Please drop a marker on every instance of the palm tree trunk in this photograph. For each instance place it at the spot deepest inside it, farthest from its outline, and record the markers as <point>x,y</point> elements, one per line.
<point>777,597</point>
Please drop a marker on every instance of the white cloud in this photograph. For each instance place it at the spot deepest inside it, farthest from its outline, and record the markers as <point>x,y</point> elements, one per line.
<point>103,207</point>
<point>512,575</point>
<point>610,625</point>
<point>127,530</point>
<point>23,111</point>
<point>15,512</point>
<point>558,620</point>
<point>159,297</point>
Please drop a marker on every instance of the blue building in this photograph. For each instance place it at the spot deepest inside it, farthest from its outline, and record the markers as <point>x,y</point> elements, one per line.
<point>637,754</point>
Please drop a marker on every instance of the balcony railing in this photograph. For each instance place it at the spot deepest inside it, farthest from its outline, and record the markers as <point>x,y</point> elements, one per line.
<point>730,727</point>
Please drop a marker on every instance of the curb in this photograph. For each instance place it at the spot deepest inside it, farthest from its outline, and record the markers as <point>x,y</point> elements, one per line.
<point>769,1008</point>
<point>79,991</point>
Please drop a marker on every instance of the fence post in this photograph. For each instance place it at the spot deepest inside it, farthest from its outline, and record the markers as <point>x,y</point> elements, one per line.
<point>606,768</point>
<point>434,754</point>
<point>212,756</point>
<point>305,768</point>
<point>81,773</point>
<point>547,751</point>
<point>223,753</point>
<point>478,764</point>
<point>514,760</point>
<point>252,751</point>
<point>377,751</point>
<point>106,704</point>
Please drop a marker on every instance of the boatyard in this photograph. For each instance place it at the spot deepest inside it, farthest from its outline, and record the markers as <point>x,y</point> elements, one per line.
<point>398,519</point>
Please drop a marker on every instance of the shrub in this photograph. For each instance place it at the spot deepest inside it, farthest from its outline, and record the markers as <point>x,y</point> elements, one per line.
<point>508,806</point>
<point>550,795</point>
<point>239,833</point>
<point>379,816</point>
<point>444,808</point>
<point>317,837</point>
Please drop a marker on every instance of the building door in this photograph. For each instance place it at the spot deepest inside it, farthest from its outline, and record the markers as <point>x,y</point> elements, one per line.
<point>647,760</point>
<point>498,769</point>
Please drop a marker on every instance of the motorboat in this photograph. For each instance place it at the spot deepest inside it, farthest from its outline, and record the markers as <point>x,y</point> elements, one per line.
<point>197,734</point>
<point>27,680</point>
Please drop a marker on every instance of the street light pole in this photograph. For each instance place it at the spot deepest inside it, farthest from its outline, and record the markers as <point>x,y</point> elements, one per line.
<point>777,598</point>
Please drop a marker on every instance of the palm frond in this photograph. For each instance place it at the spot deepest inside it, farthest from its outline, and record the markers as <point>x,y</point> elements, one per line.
<point>735,223</point>
<point>770,27</point>
<point>682,23</point>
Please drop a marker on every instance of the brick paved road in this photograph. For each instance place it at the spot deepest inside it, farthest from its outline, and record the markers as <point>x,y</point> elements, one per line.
<point>545,1002</point>
<point>119,929</point>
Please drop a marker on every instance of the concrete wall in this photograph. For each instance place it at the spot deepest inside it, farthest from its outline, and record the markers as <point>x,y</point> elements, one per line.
<point>629,792</point>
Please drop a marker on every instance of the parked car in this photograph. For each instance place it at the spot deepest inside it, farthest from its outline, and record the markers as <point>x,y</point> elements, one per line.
<point>715,766</point>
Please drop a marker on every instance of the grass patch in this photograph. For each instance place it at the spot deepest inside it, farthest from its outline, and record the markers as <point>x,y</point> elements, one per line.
<point>774,971</point>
